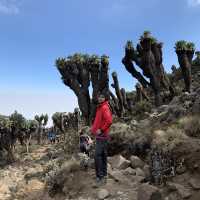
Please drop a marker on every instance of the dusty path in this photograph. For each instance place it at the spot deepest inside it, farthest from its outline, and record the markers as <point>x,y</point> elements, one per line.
<point>25,179</point>
<point>16,182</point>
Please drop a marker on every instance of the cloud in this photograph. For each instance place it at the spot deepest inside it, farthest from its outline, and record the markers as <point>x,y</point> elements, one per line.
<point>30,104</point>
<point>193,3</point>
<point>9,7</point>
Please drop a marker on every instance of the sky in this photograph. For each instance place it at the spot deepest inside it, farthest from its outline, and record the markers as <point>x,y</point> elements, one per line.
<point>34,33</point>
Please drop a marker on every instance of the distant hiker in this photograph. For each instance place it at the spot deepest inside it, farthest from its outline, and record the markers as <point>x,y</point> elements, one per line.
<point>100,129</point>
<point>52,136</point>
<point>85,143</point>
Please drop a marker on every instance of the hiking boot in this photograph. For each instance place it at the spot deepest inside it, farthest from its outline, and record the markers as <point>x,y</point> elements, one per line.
<point>99,182</point>
<point>104,180</point>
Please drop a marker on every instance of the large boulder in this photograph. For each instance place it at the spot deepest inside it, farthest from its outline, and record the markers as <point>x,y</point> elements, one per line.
<point>195,183</point>
<point>118,176</point>
<point>102,194</point>
<point>184,192</point>
<point>119,162</point>
<point>129,171</point>
<point>148,192</point>
<point>146,170</point>
<point>139,172</point>
<point>136,162</point>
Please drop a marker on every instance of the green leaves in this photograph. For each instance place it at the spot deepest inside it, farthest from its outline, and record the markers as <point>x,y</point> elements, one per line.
<point>60,63</point>
<point>5,122</point>
<point>17,120</point>
<point>104,60</point>
<point>129,45</point>
<point>190,46</point>
<point>182,45</point>
<point>42,119</point>
<point>147,35</point>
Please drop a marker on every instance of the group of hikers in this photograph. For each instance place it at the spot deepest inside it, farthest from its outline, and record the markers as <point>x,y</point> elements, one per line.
<point>100,130</point>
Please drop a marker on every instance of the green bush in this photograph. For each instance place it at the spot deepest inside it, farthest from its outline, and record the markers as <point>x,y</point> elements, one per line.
<point>141,107</point>
<point>191,125</point>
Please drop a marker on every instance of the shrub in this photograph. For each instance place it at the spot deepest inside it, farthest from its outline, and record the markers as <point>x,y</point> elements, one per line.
<point>168,139</point>
<point>141,107</point>
<point>191,125</point>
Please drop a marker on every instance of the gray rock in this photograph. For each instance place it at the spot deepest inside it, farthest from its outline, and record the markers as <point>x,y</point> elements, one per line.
<point>146,170</point>
<point>182,191</point>
<point>181,170</point>
<point>118,176</point>
<point>173,196</point>
<point>195,183</point>
<point>138,179</point>
<point>129,171</point>
<point>162,108</point>
<point>139,172</point>
<point>119,162</point>
<point>109,168</point>
<point>136,162</point>
<point>134,123</point>
<point>102,194</point>
<point>148,192</point>
<point>196,106</point>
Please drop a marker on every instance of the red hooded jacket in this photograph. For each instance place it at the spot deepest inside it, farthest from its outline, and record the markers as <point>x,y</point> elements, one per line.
<point>102,121</point>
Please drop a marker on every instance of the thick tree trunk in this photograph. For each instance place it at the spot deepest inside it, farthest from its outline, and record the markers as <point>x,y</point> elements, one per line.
<point>123,92</point>
<point>131,69</point>
<point>185,64</point>
<point>104,77</point>
<point>116,105</point>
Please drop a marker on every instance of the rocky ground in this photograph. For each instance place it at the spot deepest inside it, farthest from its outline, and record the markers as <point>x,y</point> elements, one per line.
<point>47,173</point>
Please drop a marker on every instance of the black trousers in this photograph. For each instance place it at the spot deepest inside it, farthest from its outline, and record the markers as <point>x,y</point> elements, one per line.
<point>101,158</point>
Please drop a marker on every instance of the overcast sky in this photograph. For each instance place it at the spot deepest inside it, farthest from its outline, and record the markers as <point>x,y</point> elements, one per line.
<point>35,32</point>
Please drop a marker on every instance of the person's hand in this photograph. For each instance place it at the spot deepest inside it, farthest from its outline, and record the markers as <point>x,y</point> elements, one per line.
<point>98,132</point>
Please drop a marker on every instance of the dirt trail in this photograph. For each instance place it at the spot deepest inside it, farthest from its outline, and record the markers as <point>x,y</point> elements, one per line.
<point>25,179</point>
<point>14,184</point>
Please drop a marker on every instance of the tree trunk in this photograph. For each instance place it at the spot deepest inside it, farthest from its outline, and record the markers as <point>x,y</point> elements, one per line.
<point>115,85</point>
<point>185,64</point>
<point>123,92</point>
<point>131,69</point>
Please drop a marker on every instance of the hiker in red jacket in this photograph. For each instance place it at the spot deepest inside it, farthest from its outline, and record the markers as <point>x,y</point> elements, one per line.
<point>100,129</point>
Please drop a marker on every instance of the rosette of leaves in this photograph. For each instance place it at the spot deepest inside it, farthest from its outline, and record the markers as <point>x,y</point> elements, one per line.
<point>18,121</point>
<point>190,46</point>
<point>181,45</point>
<point>57,120</point>
<point>105,60</point>
<point>42,119</point>
<point>94,60</point>
<point>196,61</point>
<point>5,123</point>
<point>147,35</point>
<point>32,125</point>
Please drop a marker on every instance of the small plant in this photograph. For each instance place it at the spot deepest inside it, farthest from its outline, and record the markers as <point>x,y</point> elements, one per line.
<point>184,45</point>
<point>104,60</point>
<point>181,45</point>
<point>191,126</point>
<point>142,107</point>
<point>196,61</point>
<point>129,45</point>
<point>147,34</point>
<point>190,46</point>
<point>169,139</point>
